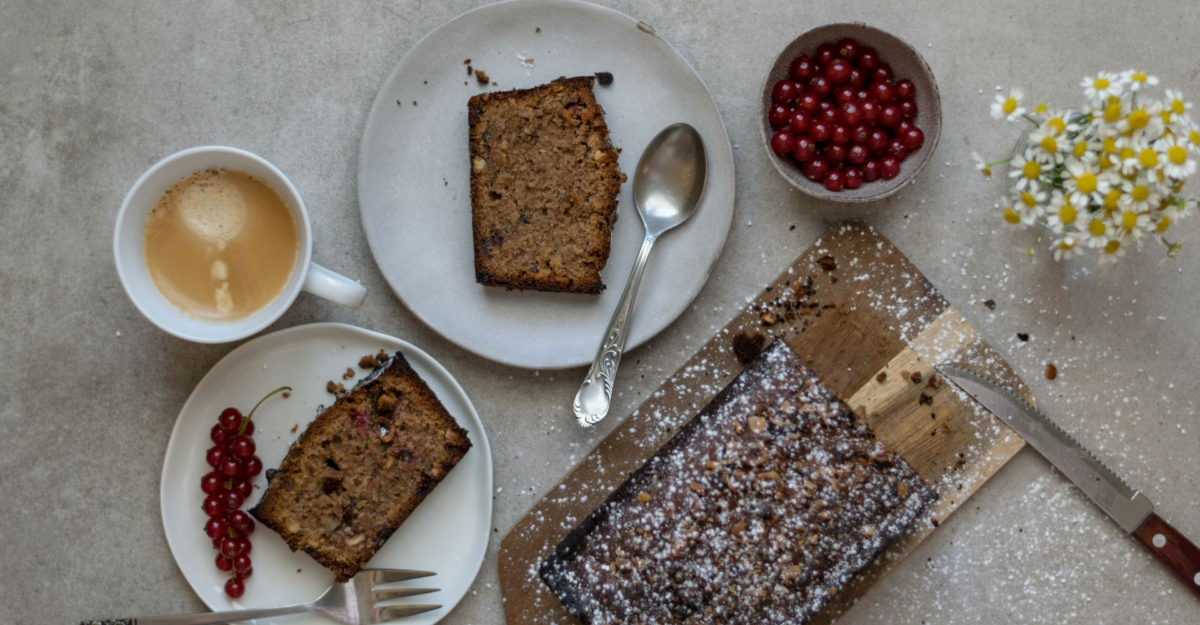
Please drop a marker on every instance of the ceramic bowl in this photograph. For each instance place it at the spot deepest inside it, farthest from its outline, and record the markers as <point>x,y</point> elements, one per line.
<point>905,62</point>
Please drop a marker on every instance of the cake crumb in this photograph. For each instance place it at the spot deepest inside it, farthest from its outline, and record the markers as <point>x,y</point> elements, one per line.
<point>538,29</point>
<point>915,376</point>
<point>1051,371</point>
<point>604,78</point>
<point>827,262</point>
<point>348,374</point>
<point>1023,336</point>
<point>370,361</point>
<point>881,377</point>
<point>991,304</point>
<point>481,76</point>
<point>748,345</point>
<point>287,394</point>
<point>294,428</point>
<point>467,62</point>
<point>925,400</point>
<point>398,103</point>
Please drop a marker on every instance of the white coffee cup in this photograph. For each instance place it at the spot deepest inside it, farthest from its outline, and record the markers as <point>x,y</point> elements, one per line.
<point>131,258</point>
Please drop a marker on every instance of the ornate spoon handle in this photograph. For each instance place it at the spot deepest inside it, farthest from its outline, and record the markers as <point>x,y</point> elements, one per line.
<point>595,395</point>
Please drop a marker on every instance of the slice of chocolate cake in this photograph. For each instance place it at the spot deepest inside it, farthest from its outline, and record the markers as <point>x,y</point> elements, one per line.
<point>758,511</point>
<point>544,185</point>
<point>361,468</point>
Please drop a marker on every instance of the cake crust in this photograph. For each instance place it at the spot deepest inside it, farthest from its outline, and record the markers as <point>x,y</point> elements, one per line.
<point>360,469</point>
<point>758,511</point>
<point>544,186</point>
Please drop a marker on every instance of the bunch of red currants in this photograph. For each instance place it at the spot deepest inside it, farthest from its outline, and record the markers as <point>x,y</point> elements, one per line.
<point>227,487</point>
<point>839,114</point>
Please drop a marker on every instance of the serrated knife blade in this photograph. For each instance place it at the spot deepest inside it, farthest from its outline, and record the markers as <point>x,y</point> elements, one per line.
<point>1132,510</point>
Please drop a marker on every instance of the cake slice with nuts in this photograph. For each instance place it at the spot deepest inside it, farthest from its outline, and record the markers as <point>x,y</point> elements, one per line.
<point>361,468</point>
<point>544,185</point>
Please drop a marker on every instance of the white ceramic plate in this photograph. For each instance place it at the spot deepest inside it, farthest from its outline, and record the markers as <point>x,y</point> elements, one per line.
<point>448,533</point>
<point>414,190</point>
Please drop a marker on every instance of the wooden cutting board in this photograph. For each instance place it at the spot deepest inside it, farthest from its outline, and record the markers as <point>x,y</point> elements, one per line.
<point>868,322</point>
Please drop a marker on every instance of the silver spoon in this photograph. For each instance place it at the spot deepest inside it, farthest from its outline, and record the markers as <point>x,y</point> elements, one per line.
<point>667,187</point>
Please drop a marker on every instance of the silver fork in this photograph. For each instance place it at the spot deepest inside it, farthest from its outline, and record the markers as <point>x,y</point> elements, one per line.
<point>355,602</point>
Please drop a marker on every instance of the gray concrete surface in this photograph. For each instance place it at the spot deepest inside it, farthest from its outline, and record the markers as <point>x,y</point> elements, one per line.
<point>92,93</point>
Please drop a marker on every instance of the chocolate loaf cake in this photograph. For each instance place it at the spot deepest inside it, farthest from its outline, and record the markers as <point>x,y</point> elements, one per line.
<point>361,468</point>
<point>758,511</point>
<point>544,185</point>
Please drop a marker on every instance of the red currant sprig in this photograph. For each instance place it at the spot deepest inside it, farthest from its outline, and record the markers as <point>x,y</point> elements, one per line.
<point>226,489</point>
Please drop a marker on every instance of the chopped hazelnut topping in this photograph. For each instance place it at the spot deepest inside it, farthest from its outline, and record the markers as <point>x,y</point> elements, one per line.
<point>696,487</point>
<point>757,424</point>
<point>643,497</point>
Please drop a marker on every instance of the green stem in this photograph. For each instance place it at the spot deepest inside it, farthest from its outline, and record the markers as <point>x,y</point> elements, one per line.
<point>242,429</point>
<point>994,163</point>
<point>1030,119</point>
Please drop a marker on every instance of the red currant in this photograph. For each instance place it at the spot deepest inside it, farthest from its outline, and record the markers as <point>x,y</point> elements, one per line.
<point>214,505</point>
<point>870,171</point>
<point>858,154</point>
<point>847,48</point>
<point>211,483</point>
<point>882,91</point>
<point>877,141</point>
<point>857,78</point>
<point>253,466</point>
<point>905,89</point>
<point>215,456</point>
<point>834,154</point>
<point>230,467</point>
<point>838,71</point>
<point>868,58</point>
<point>805,150</point>
<point>215,526</point>
<point>908,108</point>
<point>243,487</point>
<point>784,91</point>
<point>241,563</point>
<point>798,122</point>
<point>851,178</point>
<point>243,546</point>
<point>833,181</point>
<point>233,500</point>
<point>243,446</point>
<point>219,436</point>
<point>223,563</point>
<point>844,94</point>
<point>242,522</point>
<point>247,573</point>
<point>824,54</point>
<point>850,114</point>
<point>815,169</point>
<point>890,115</point>
<point>862,94</point>
<point>870,111</point>
<point>896,148</point>
<point>913,138</point>
<point>882,72</point>
<point>903,127</point>
<point>782,142</point>
<point>779,114</point>
<point>889,167</point>
<point>860,133</point>
<point>820,86</point>
<point>819,131</point>
<point>230,419</point>
<point>839,134</point>
<point>229,547</point>
<point>809,103</point>
<point>248,427</point>
<point>235,587</point>
<point>802,68</point>
<point>829,115</point>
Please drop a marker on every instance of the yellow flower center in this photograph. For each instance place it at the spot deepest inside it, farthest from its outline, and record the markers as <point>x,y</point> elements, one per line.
<point>1086,183</point>
<point>1080,149</point>
<point>1011,216</point>
<point>1163,223</point>
<point>1101,83</point>
<point>1112,247</point>
<point>1127,153</point>
<point>1111,198</point>
<point>1194,137</point>
<point>1096,227</point>
<point>1166,116</point>
<point>1028,200</point>
<point>1049,145</point>
<point>1040,109</point>
<point>1031,169</point>
<point>1067,214</point>
<point>1066,244</point>
<point>1178,107</point>
<point>1128,220</point>
<point>1110,145</point>
<point>1148,158</point>
<point>1138,77</point>
<point>1177,154</point>
<point>1138,119</point>
<point>1140,193</point>
<point>1009,106</point>
<point>1056,124</point>
<point>1112,112</point>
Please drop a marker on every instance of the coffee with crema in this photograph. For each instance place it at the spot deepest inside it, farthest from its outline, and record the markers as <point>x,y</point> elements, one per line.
<point>220,244</point>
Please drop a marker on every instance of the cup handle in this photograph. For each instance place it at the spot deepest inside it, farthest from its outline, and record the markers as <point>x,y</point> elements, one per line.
<point>334,286</point>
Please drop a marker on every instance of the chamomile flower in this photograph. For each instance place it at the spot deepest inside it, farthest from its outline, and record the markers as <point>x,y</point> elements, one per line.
<point>1094,231</point>
<point>1138,80</point>
<point>1030,204</point>
<point>1126,155</point>
<point>1049,147</point>
<point>1103,85</point>
<point>1008,107</point>
<point>1083,184</point>
<point>1060,214</point>
<point>1010,213</point>
<point>1176,162</point>
<point>981,165</point>
<point>1132,223</point>
<point>1144,120</point>
<point>1140,195</point>
<point>1112,252</point>
<point>1065,247</point>
<point>1025,169</point>
<point>1176,104</point>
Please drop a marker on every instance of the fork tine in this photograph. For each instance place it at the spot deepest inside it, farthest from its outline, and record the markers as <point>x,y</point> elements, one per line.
<point>385,576</point>
<point>401,611</point>
<point>396,593</point>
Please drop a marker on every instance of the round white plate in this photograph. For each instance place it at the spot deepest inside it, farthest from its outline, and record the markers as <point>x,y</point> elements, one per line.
<point>447,533</point>
<point>414,183</point>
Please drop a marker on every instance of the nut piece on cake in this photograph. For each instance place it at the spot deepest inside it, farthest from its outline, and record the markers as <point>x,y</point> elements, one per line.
<point>544,185</point>
<point>361,468</point>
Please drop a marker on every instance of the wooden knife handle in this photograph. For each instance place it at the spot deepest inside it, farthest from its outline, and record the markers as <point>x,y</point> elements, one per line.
<point>1172,548</point>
